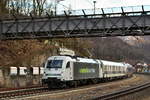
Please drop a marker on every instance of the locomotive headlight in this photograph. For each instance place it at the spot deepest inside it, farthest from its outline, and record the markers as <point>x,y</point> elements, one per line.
<point>44,74</point>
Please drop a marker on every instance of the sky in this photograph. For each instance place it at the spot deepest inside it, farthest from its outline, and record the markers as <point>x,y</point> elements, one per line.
<point>88,4</point>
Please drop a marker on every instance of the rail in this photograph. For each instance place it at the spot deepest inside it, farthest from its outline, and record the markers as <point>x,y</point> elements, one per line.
<point>123,92</point>
<point>21,92</point>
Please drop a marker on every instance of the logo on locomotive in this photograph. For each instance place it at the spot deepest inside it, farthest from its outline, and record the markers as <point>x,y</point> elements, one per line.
<point>86,70</point>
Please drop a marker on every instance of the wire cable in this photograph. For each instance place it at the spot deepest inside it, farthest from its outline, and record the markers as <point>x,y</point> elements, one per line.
<point>89,2</point>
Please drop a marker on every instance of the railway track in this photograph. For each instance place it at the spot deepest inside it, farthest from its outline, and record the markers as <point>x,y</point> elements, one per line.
<point>21,92</point>
<point>123,92</point>
<point>42,92</point>
<point>11,94</point>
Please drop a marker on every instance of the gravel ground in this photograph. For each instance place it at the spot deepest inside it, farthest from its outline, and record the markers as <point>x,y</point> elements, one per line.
<point>91,91</point>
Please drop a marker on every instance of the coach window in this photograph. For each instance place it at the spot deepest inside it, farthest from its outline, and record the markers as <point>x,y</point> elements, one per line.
<point>117,69</point>
<point>105,68</point>
<point>68,65</point>
<point>120,69</point>
<point>113,68</point>
<point>110,69</point>
<point>123,70</point>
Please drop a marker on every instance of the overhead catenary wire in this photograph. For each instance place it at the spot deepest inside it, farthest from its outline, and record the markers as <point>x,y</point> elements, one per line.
<point>89,2</point>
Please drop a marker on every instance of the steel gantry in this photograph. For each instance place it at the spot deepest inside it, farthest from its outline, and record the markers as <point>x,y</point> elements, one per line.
<point>86,25</point>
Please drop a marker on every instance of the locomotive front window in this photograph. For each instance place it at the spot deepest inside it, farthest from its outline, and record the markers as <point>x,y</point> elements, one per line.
<point>54,64</point>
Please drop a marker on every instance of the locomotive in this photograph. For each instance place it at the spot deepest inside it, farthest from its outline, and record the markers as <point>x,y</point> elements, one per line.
<point>64,71</point>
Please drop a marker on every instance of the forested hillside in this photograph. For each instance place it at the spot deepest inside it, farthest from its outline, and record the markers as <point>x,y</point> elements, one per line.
<point>118,50</point>
<point>34,52</point>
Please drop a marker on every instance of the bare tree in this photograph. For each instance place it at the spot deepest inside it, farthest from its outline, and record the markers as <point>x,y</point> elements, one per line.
<point>3,4</point>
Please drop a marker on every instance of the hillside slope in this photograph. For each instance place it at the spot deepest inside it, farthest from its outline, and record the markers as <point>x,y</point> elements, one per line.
<point>35,52</point>
<point>118,50</point>
<point>140,42</point>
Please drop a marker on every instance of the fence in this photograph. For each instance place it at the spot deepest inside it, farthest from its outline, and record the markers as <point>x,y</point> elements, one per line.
<point>20,76</point>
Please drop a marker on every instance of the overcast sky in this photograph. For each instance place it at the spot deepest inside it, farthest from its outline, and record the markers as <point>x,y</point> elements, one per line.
<point>88,4</point>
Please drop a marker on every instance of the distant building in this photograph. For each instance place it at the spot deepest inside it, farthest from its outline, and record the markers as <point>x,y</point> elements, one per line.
<point>142,67</point>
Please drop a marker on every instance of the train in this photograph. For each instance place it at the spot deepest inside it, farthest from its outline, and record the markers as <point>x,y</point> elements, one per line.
<point>71,71</point>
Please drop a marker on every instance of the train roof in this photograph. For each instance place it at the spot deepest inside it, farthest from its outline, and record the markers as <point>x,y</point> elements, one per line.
<point>74,58</point>
<point>110,63</point>
<point>88,60</point>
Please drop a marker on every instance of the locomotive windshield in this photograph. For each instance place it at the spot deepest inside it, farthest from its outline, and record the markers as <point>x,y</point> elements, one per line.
<point>54,64</point>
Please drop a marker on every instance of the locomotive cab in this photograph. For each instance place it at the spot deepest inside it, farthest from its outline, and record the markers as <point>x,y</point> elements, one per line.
<point>54,67</point>
<point>56,70</point>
